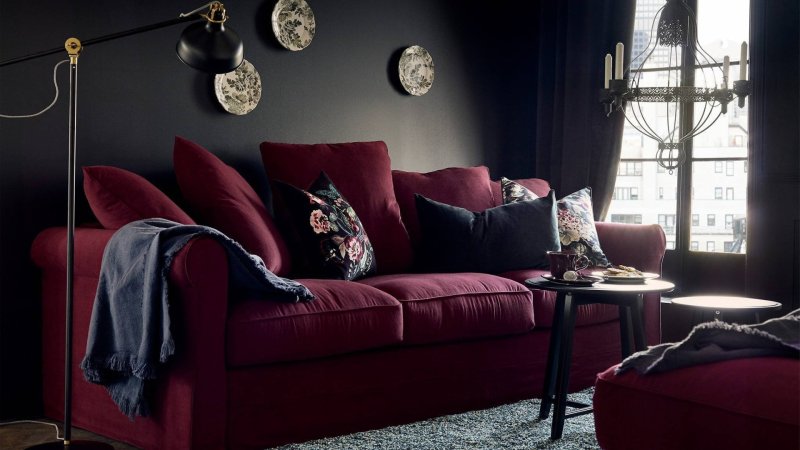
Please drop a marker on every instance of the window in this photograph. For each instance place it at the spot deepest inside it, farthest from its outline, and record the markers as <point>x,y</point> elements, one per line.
<point>625,193</point>
<point>712,181</point>
<point>710,246</point>
<point>728,221</point>
<point>667,222</point>
<point>626,218</point>
<point>670,245</point>
<point>727,246</point>
<point>694,245</point>
<point>630,168</point>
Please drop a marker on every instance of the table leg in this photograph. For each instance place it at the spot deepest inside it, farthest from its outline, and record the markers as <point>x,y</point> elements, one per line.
<point>624,330</point>
<point>565,358</point>
<point>639,339</point>
<point>552,357</point>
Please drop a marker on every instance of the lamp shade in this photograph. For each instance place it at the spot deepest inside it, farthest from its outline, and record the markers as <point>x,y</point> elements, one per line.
<point>210,47</point>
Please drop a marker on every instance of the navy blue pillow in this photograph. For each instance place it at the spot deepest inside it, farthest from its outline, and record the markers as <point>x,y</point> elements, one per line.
<point>507,237</point>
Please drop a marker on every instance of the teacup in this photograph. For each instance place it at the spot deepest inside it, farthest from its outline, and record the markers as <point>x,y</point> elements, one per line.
<point>561,262</point>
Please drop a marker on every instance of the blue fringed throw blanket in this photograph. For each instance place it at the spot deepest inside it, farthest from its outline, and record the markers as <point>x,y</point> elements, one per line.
<point>129,334</point>
<point>719,341</point>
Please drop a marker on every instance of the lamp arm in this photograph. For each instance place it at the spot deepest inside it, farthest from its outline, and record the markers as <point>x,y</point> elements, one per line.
<point>109,37</point>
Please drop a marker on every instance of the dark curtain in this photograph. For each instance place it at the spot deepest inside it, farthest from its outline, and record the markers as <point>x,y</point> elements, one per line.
<point>576,144</point>
<point>772,267</point>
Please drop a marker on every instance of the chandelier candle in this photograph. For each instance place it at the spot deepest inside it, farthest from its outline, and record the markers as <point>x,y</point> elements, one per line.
<point>618,69</point>
<point>726,67</point>
<point>607,77</point>
<point>743,62</point>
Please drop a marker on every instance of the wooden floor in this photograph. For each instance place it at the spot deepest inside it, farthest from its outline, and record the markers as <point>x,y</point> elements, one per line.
<point>17,436</point>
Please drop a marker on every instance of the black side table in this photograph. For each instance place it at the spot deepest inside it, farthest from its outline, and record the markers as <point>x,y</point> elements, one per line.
<point>629,298</point>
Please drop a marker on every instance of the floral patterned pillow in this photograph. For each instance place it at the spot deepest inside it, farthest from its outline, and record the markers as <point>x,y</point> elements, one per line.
<point>515,192</point>
<point>333,237</point>
<point>576,228</point>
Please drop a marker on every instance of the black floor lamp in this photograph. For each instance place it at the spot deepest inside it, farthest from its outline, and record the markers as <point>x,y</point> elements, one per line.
<point>208,46</point>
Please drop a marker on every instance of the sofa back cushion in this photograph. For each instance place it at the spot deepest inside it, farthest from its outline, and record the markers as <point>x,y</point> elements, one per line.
<point>362,174</point>
<point>118,197</point>
<point>227,202</point>
<point>464,187</point>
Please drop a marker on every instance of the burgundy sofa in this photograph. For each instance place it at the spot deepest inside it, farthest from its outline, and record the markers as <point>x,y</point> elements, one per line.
<point>394,348</point>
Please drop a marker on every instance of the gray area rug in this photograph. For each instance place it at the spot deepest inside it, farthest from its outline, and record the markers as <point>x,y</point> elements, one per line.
<point>513,426</point>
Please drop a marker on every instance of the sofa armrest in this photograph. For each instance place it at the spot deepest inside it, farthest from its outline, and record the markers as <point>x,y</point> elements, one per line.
<point>643,247</point>
<point>189,402</point>
<point>640,246</point>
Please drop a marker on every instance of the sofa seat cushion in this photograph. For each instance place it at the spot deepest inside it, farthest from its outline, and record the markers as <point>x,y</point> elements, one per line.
<point>345,317</point>
<point>455,306</point>
<point>544,303</point>
<point>737,404</point>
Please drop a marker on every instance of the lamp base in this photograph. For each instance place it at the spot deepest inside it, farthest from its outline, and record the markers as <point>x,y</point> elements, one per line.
<point>73,445</point>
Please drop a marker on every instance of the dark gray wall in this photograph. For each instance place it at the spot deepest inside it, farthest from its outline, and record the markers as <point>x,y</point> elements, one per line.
<point>135,95</point>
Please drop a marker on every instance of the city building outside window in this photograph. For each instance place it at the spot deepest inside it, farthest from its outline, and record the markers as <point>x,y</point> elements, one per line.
<point>728,221</point>
<point>710,246</point>
<point>713,157</point>
<point>694,245</point>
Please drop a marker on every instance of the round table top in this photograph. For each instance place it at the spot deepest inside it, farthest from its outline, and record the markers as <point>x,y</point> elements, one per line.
<point>725,302</point>
<point>603,286</point>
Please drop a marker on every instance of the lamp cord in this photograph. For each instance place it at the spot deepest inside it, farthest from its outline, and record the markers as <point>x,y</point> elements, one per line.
<point>34,421</point>
<point>55,98</point>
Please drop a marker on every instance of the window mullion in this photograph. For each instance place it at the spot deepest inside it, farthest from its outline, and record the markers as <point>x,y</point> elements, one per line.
<point>684,207</point>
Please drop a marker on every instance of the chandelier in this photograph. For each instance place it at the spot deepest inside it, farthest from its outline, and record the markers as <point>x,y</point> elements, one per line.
<point>673,38</point>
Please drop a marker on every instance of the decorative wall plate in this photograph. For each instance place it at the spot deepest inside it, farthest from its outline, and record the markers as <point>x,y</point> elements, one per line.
<point>239,91</point>
<point>416,70</point>
<point>293,24</point>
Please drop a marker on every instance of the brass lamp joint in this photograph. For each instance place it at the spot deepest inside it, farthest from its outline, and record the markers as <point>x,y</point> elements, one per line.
<point>73,46</point>
<point>216,13</point>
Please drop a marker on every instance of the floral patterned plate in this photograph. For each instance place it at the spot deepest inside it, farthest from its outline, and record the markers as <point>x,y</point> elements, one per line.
<point>416,70</point>
<point>584,280</point>
<point>293,24</point>
<point>239,91</point>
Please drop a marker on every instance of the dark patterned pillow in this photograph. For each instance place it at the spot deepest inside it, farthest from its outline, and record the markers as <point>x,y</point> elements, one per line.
<point>576,228</point>
<point>330,232</point>
<point>515,192</point>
